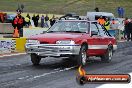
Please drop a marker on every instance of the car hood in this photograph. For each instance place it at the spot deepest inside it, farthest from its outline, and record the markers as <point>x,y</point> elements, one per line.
<point>53,37</point>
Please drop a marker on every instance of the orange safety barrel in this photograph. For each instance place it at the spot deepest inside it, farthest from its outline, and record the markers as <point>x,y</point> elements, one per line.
<point>16,33</point>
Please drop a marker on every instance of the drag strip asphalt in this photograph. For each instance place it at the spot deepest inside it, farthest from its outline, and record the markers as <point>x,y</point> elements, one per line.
<point>18,72</point>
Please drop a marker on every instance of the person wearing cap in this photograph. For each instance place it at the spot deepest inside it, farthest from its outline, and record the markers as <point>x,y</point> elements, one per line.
<point>18,23</point>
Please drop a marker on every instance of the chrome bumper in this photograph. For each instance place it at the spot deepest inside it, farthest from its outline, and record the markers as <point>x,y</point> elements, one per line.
<point>53,49</point>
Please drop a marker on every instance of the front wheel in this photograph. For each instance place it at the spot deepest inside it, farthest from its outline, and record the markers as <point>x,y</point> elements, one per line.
<point>108,55</point>
<point>35,59</point>
<point>82,57</point>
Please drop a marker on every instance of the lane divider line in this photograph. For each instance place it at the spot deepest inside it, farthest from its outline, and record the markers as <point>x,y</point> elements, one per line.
<point>54,72</point>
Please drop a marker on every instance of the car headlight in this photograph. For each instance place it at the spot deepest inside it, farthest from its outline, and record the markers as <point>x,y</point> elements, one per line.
<point>65,42</point>
<point>33,41</point>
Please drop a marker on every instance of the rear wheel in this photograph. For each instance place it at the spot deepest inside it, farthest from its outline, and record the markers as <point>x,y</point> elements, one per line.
<point>35,59</point>
<point>82,57</point>
<point>108,55</point>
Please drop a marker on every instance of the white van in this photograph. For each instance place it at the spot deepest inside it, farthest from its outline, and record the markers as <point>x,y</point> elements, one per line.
<point>96,15</point>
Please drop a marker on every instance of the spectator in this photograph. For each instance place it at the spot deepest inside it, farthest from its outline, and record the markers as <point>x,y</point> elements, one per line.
<point>96,9</point>
<point>52,21</point>
<point>34,19</point>
<point>119,12</point>
<point>129,34</point>
<point>18,23</point>
<point>46,21</point>
<point>126,32</point>
<point>37,19</point>
<point>122,12</point>
<point>42,21</point>
<point>28,16</point>
<point>27,21</point>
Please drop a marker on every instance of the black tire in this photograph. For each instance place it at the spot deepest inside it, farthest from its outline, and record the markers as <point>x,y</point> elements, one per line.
<point>108,55</point>
<point>82,57</point>
<point>35,59</point>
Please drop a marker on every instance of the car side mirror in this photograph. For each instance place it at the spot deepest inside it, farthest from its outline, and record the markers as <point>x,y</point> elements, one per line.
<point>94,33</point>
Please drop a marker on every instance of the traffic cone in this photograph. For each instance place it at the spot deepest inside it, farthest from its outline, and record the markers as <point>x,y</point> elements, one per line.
<point>16,34</point>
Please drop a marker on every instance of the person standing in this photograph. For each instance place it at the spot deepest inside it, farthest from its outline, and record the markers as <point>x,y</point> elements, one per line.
<point>126,30</point>
<point>42,21</point>
<point>52,21</point>
<point>27,21</point>
<point>122,12</point>
<point>129,34</point>
<point>18,23</point>
<point>28,16</point>
<point>96,9</point>
<point>37,19</point>
<point>46,21</point>
<point>119,12</point>
<point>34,20</point>
<point>107,24</point>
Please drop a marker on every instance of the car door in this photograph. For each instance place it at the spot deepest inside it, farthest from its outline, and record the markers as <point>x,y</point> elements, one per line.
<point>94,30</point>
<point>105,38</point>
<point>95,40</point>
<point>103,35</point>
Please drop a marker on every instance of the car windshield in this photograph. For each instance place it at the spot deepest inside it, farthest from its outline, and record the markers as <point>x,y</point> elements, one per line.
<point>70,26</point>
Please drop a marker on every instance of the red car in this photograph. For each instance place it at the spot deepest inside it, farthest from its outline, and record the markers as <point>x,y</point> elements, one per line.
<point>76,39</point>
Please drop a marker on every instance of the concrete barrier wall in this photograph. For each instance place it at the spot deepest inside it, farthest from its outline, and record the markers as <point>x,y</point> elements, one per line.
<point>9,45</point>
<point>6,28</point>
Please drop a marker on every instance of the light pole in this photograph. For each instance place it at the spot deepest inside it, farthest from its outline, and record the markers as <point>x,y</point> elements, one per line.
<point>18,7</point>
<point>94,3</point>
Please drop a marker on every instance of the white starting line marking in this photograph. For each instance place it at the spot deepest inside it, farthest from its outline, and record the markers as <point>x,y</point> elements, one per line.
<point>15,54</point>
<point>45,74</point>
<point>129,85</point>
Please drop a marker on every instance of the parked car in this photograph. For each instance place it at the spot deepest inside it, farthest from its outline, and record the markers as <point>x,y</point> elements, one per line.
<point>10,18</point>
<point>70,16</point>
<point>75,39</point>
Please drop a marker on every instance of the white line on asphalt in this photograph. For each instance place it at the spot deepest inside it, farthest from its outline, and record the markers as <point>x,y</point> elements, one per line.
<point>23,77</point>
<point>9,55</point>
<point>45,74</point>
<point>57,69</point>
<point>129,85</point>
